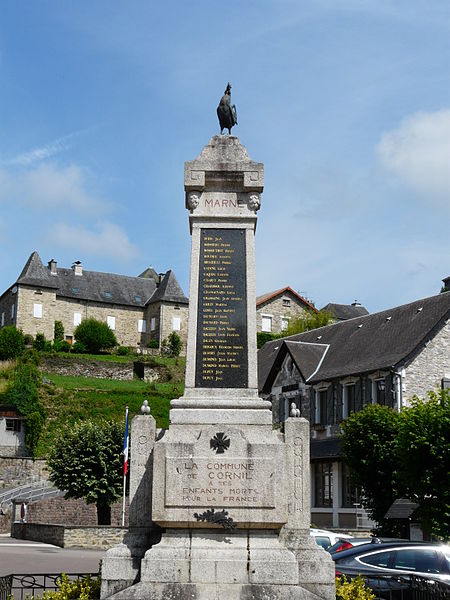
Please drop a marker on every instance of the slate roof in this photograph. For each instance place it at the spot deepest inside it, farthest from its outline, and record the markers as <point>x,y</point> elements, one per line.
<point>286,290</point>
<point>384,340</point>
<point>96,286</point>
<point>342,312</point>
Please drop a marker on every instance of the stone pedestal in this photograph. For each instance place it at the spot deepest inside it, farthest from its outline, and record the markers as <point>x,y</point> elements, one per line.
<point>230,494</point>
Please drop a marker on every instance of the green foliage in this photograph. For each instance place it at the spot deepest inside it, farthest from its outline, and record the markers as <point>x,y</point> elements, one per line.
<point>306,322</point>
<point>262,337</point>
<point>28,339</point>
<point>41,344</point>
<point>58,334</point>
<point>86,461</point>
<point>23,394</point>
<point>81,589</point>
<point>423,451</point>
<point>172,345</point>
<point>123,351</point>
<point>153,344</point>
<point>11,342</point>
<point>95,335</point>
<point>355,589</point>
<point>79,348</point>
<point>61,346</point>
<point>368,446</point>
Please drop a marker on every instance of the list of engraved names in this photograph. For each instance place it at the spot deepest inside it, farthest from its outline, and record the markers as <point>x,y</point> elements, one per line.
<point>221,357</point>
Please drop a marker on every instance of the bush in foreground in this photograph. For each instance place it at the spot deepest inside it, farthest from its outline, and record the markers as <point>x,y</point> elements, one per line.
<point>95,335</point>
<point>11,342</point>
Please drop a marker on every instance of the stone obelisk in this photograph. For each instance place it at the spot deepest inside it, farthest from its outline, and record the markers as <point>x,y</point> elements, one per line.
<point>230,494</point>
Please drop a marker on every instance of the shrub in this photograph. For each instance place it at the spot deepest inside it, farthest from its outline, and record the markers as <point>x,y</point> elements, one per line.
<point>153,344</point>
<point>61,346</point>
<point>123,350</point>
<point>11,342</point>
<point>355,589</point>
<point>40,342</point>
<point>262,337</point>
<point>83,589</point>
<point>172,345</point>
<point>28,339</point>
<point>79,348</point>
<point>58,332</point>
<point>95,335</point>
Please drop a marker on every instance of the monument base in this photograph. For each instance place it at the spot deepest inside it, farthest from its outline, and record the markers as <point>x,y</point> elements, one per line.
<point>215,565</point>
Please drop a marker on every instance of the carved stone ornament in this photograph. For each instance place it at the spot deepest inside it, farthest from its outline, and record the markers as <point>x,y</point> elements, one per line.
<point>218,518</point>
<point>193,200</point>
<point>254,201</point>
<point>220,442</point>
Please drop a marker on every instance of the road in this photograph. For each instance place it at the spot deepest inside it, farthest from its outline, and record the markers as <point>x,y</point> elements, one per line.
<point>23,556</point>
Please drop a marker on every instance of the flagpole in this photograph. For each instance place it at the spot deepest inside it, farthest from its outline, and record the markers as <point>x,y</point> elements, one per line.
<point>126,443</point>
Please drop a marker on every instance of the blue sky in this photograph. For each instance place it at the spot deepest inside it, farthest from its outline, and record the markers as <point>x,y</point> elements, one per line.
<point>346,102</point>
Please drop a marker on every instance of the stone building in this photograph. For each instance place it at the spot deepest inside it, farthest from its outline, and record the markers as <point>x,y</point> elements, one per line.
<point>274,309</point>
<point>138,309</point>
<point>12,432</point>
<point>330,372</point>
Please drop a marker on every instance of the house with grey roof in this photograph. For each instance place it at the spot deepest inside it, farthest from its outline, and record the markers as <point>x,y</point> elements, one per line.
<point>330,372</point>
<point>275,309</point>
<point>343,312</point>
<point>138,309</point>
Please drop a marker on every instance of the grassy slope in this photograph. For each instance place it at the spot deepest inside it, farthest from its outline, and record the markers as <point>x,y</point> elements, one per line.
<point>73,398</point>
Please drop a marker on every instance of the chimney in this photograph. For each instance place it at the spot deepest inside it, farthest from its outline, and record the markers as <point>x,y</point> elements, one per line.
<point>160,277</point>
<point>52,266</point>
<point>77,267</point>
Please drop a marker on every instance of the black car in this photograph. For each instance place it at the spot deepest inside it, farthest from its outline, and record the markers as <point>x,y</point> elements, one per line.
<point>397,570</point>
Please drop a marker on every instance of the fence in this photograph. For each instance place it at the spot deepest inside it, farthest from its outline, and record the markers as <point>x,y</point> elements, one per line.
<point>24,586</point>
<point>407,587</point>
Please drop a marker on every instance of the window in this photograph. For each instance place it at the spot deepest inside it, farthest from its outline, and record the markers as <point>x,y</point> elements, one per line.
<point>349,491</point>
<point>142,326</point>
<point>422,560</point>
<point>323,484</point>
<point>111,321</point>
<point>3,318</point>
<point>286,302</point>
<point>138,299</point>
<point>153,324</point>
<point>37,310</point>
<point>380,391</point>
<point>76,318</point>
<point>13,425</point>
<point>12,311</point>
<point>107,294</point>
<point>75,290</point>
<point>284,323</point>
<point>379,559</point>
<point>349,400</point>
<point>176,323</point>
<point>266,323</point>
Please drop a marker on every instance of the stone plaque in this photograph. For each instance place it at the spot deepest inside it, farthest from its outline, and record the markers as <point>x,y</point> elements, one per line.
<point>222,353</point>
<point>220,482</point>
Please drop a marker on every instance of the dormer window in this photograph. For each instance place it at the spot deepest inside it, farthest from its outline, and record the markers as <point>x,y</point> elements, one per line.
<point>75,290</point>
<point>138,299</point>
<point>107,294</point>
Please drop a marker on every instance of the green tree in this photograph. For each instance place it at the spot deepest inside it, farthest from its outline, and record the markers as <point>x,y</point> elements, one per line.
<point>306,322</point>
<point>11,342</point>
<point>423,451</point>
<point>95,335</point>
<point>368,444</point>
<point>58,333</point>
<point>23,393</point>
<point>86,460</point>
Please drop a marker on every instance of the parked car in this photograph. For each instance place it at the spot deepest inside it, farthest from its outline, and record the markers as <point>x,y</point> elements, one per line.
<point>326,538</point>
<point>351,542</point>
<point>393,569</point>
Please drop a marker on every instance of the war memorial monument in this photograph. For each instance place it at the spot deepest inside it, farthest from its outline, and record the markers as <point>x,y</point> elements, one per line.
<point>220,502</point>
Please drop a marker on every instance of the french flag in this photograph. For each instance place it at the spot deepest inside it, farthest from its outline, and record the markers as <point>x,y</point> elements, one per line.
<point>126,445</point>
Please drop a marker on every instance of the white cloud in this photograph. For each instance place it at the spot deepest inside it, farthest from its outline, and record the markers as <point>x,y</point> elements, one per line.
<point>49,186</point>
<point>43,152</point>
<point>418,152</point>
<point>106,239</point>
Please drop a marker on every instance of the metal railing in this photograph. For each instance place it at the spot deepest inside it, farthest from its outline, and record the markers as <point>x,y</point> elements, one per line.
<point>30,492</point>
<point>407,587</point>
<point>33,585</point>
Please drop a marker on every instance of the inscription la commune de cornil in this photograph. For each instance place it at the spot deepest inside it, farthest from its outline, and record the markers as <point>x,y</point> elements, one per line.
<point>232,482</point>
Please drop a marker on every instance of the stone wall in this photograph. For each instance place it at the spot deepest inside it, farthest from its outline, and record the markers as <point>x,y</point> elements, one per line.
<point>168,313</point>
<point>26,298</point>
<point>100,538</point>
<point>428,369</point>
<point>58,511</point>
<point>20,471</point>
<point>62,365</point>
<point>276,309</point>
<point>6,301</point>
